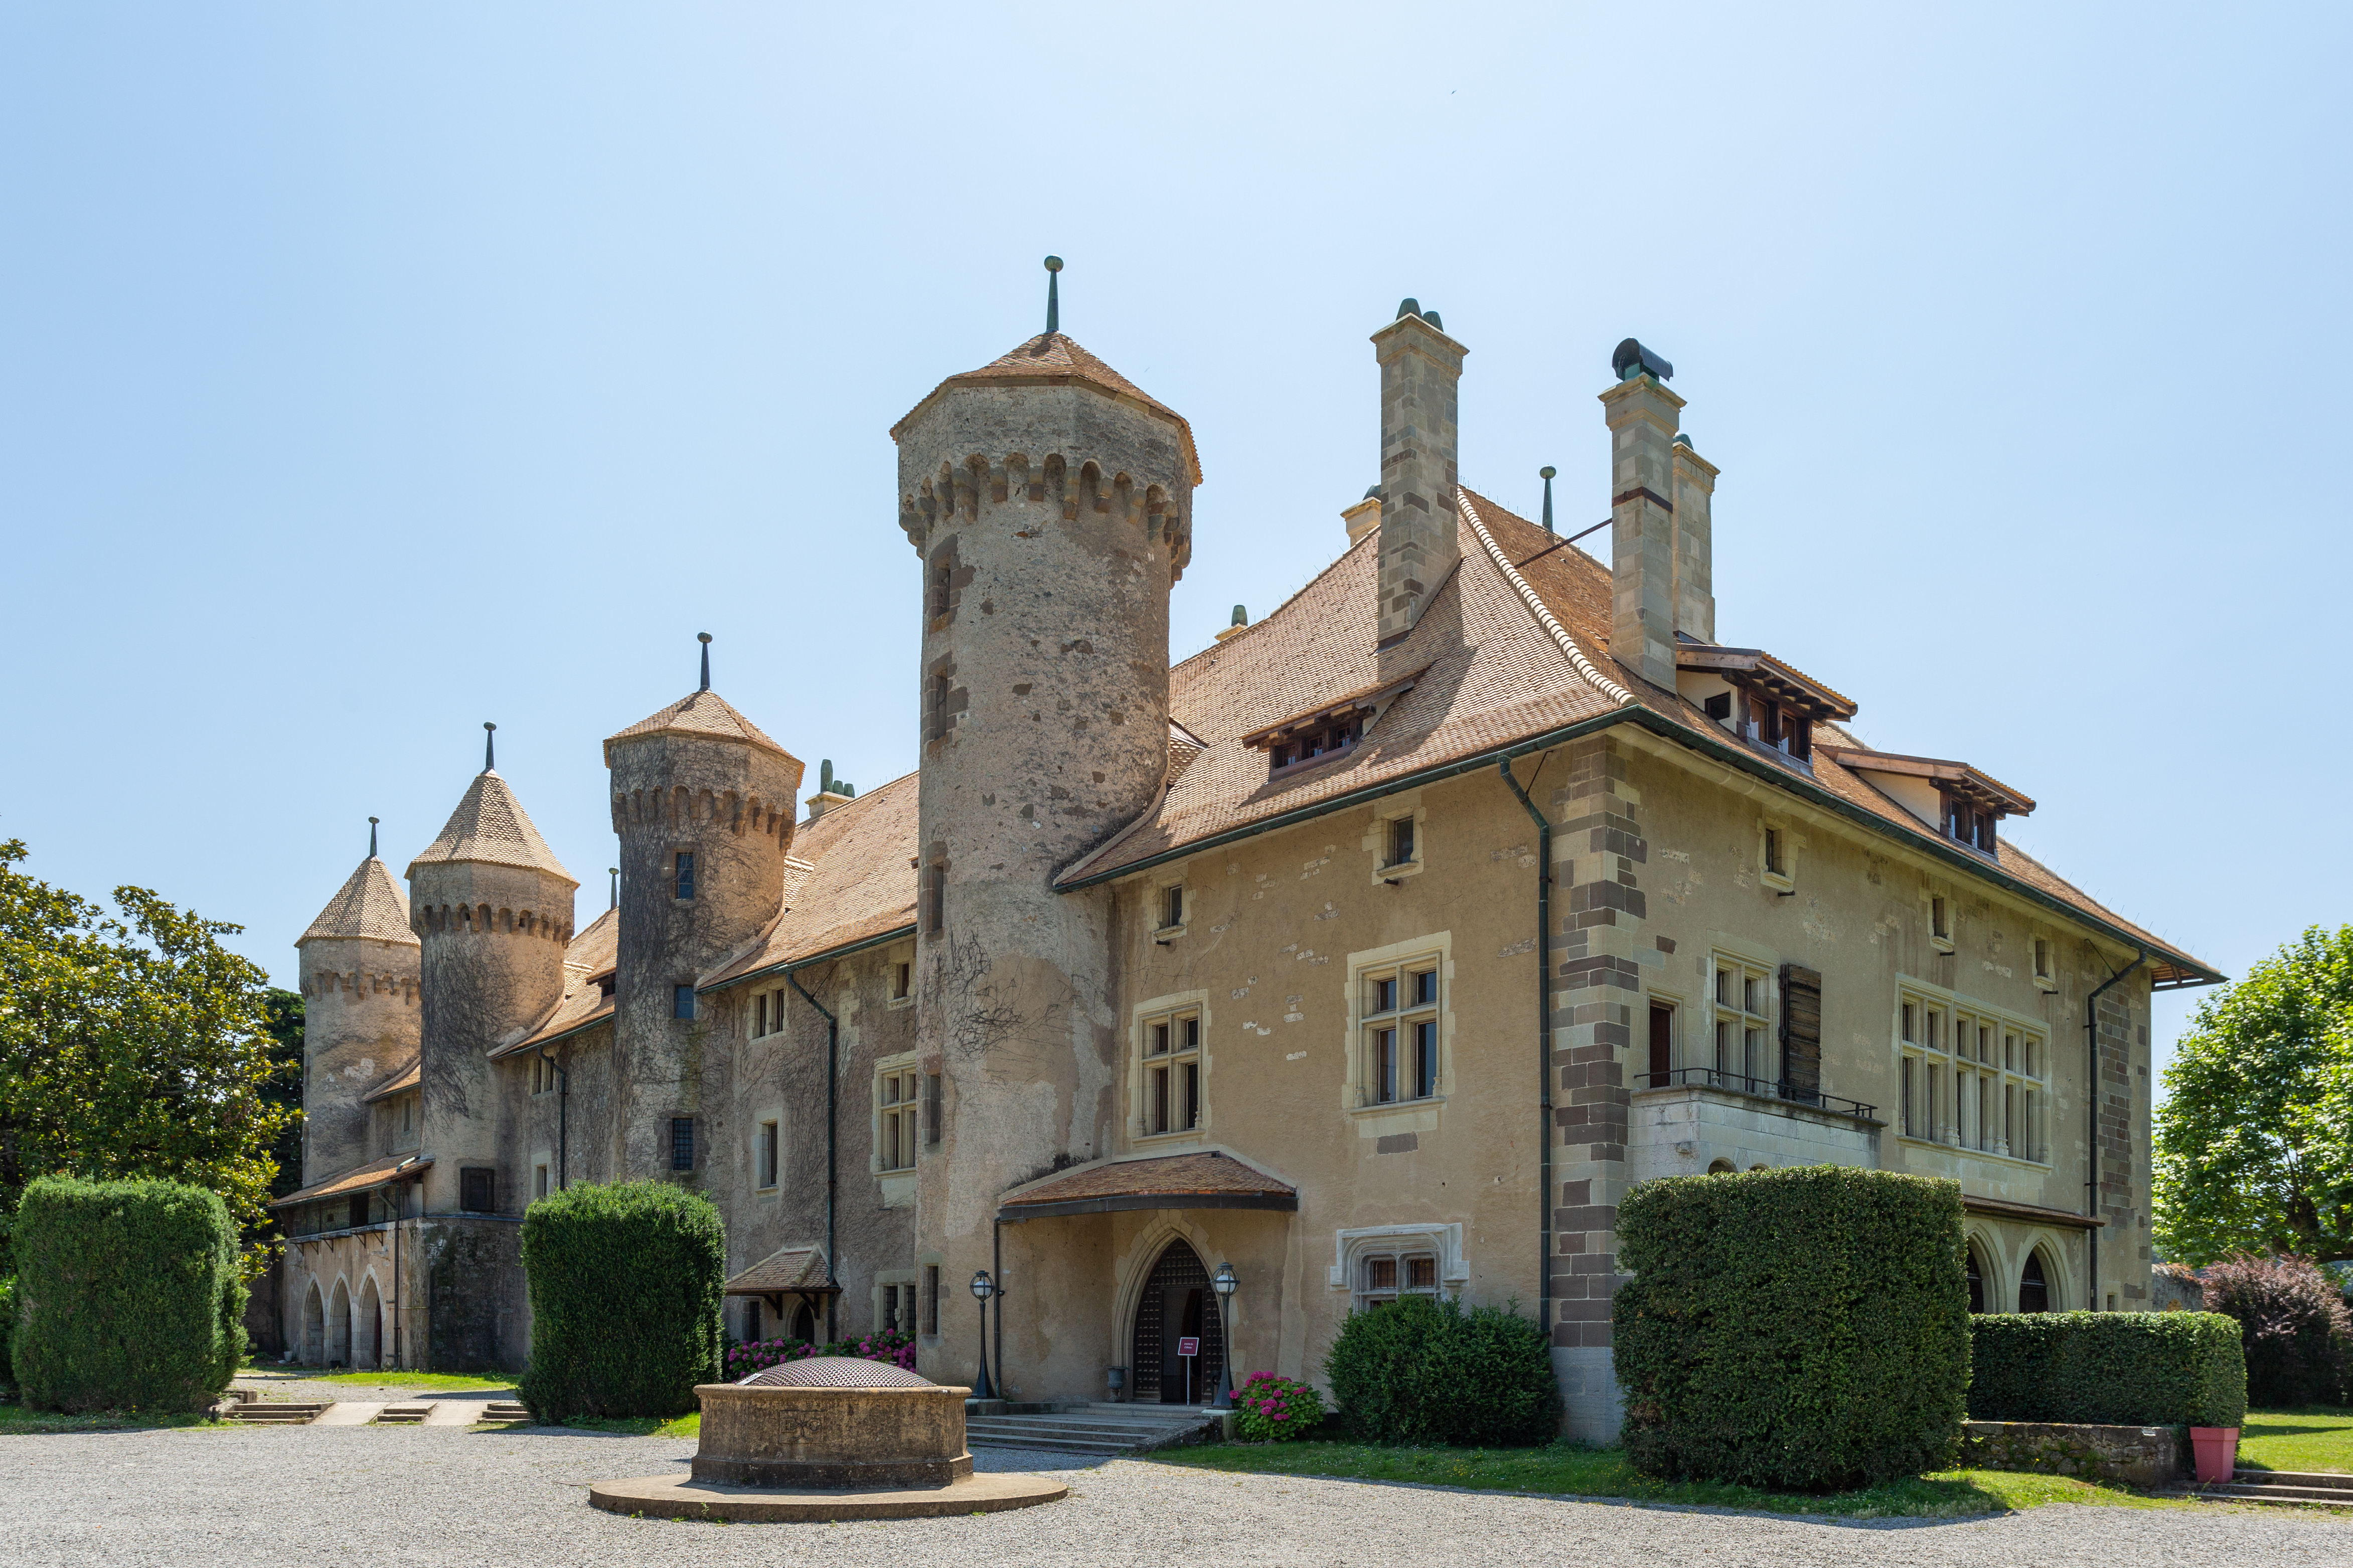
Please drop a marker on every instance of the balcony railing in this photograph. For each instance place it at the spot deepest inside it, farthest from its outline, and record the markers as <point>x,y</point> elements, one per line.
<point>1716,1078</point>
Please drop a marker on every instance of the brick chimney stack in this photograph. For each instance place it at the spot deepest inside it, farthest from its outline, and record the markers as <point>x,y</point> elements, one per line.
<point>1420,366</point>
<point>1694,495</point>
<point>1642,416</point>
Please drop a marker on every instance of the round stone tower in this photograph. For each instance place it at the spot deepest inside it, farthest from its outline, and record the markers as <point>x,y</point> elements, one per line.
<point>1050,502</point>
<point>493,907</point>
<point>704,805</point>
<point>359,969</point>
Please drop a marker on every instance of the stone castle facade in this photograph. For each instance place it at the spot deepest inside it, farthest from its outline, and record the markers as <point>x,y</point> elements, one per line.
<point>1376,949</point>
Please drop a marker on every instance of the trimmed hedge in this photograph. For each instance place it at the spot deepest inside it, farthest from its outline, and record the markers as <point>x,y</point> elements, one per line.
<point>128,1296</point>
<point>1799,1329</point>
<point>625,1296</point>
<point>1427,1370</point>
<point>2108,1369</point>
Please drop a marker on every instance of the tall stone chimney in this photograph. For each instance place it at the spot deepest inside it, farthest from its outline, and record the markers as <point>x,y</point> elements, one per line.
<point>1642,415</point>
<point>1420,366</point>
<point>1694,495</point>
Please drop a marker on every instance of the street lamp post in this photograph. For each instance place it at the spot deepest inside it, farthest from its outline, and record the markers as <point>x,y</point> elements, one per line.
<point>1225,1284</point>
<point>982,1288</point>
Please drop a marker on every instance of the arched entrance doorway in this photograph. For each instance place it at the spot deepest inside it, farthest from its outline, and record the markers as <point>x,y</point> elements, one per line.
<point>339,1328</point>
<point>1976,1278</point>
<point>315,1327</point>
<point>369,1326</point>
<point>2033,1285</point>
<point>1177,1305</point>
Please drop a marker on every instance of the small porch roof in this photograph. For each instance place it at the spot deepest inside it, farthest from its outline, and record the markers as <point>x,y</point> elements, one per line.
<point>787,1271</point>
<point>365,1179</point>
<point>1204,1179</point>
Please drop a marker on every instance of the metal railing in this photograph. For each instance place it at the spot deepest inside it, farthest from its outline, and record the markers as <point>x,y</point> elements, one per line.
<point>1716,1078</point>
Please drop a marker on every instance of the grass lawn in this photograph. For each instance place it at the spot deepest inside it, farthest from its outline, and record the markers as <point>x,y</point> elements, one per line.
<point>2309,1440</point>
<point>436,1381</point>
<point>641,1425</point>
<point>18,1421</point>
<point>1604,1472</point>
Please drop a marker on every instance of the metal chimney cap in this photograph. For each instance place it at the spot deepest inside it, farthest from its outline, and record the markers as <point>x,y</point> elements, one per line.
<point>1632,358</point>
<point>1408,306</point>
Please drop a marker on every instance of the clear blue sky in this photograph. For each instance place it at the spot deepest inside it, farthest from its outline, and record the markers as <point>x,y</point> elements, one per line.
<point>366,372</point>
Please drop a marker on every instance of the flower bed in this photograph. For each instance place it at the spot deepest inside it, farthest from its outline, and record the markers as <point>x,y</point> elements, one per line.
<point>744,1358</point>
<point>1271,1409</point>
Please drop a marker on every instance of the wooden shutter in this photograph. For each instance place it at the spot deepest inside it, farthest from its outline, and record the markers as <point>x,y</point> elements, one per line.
<point>1801,1033</point>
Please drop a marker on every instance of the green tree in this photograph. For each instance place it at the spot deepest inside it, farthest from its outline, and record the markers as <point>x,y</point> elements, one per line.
<point>136,1047</point>
<point>2254,1139</point>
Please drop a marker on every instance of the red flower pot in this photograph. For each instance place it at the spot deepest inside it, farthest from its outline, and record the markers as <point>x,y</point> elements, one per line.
<point>2217,1450</point>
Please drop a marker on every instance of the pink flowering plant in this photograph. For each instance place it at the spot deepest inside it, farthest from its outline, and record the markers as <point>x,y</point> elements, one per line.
<point>746,1357</point>
<point>1271,1409</point>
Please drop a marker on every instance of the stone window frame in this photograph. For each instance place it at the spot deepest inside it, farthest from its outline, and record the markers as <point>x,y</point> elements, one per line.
<point>1942,906</point>
<point>1379,840</point>
<point>765,1018</point>
<point>1776,840</point>
<point>1163,930</point>
<point>902,1104</point>
<point>898,969</point>
<point>761,1119</point>
<point>1172,1009</point>
<point>2042,953</point>
<point>1352,1249</point>
<point>1419,1114</point>
<point>542,1175</point>
<point>1930,1064</point>
<point>543,1076</point>
<point>1747,967</point>
<point>906,1285</point>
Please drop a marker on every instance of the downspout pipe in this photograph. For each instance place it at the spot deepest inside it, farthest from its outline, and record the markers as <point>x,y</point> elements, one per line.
<point>562,1096</point>
<point>2091,1072</point>
<point>1544,1049</point>
<point>832,1052</point>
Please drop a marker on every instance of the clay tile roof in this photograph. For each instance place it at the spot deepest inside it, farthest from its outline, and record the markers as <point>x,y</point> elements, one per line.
<point>703,713</point>
<point>1051,359</point>
<point>1973,783</point>
<point>490,827</point>
<point>369,905</point>
<point>799,1270</point>
<point>858,883</point>
<point>1199,1180</point>
<point>407,1078</point>
<point>375,1173</point>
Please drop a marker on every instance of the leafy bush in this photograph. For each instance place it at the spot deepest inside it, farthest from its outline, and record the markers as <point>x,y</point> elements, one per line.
<point>7,1328</point>
<point>2294,1329</point>
<point>745,1357</point>
<point>625,1283</point>
<point>128,1296</point>
<point>1271,1409</point>
<point>1801,1329</point>
<point>1434,1371</point>
<point>2111,1369</point>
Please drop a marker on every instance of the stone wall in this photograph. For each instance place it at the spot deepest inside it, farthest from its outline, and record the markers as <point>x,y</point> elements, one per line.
<point>2144,1457</point>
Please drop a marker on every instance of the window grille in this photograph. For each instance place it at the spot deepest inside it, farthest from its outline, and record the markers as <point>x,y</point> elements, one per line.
<point>478,1190</point>
<point>1383,1277</point>
<point>681,1143</point>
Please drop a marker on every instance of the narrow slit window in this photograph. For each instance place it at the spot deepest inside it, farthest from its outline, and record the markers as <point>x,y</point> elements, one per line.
<point>685,874</point>
<point>681,1143</point>
<point>1401,844</point>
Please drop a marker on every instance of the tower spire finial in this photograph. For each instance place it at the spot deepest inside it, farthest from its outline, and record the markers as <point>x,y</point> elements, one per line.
<point>1546,472</point>
<point>614,900</point>
<point>704,638</point>
<point>1053,294</point>
<point>372,821</point>
<point>489,745</point>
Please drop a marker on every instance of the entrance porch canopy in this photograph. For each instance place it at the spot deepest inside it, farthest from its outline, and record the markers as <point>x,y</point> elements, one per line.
<point>788,1271</point>
<point>1206,1179</point>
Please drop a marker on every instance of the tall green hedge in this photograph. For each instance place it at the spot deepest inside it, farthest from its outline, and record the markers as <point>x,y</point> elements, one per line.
<point>625,1297</point>
<point>128,1296</point>
<point>1799,1329</point>
<point>2112,1369</point>
<point>1434,1371</point>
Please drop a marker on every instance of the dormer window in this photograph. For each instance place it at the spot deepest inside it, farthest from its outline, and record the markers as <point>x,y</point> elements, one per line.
<point>1961,803</point>
<point>1325,733</point>
<point>1759,698</point>
<point>1315,745</point>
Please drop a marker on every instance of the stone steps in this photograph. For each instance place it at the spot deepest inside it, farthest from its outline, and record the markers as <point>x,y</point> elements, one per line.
<point>1096,1431</point>
<point>2279,1488</point>
<point>276,1413</point>
<point>411,1413</point>
<point>505,1412</point>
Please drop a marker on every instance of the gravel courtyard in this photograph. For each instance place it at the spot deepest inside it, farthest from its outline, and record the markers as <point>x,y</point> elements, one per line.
<point>262,1498</point>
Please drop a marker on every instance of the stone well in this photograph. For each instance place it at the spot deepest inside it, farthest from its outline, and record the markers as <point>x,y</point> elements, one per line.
<point>829,1438</point>
<point>832,1421</point>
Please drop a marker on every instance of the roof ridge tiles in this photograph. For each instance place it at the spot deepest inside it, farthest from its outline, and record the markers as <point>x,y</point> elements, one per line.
<point>490,827</point>
<point>368,907</point>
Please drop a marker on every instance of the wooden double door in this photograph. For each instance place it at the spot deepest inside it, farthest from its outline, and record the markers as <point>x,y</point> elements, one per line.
<point>1177,1304</point>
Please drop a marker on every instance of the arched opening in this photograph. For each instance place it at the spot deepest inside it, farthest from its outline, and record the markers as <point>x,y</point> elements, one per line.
<point>315,1327</point>
<point>805,1322</point>
<point>370,1326</point>
<point>1721,1167</point>
<point>1176,1305</point>
<point>1977,1277</point>
<point>2033,1285</point>
<point>339,1328</point>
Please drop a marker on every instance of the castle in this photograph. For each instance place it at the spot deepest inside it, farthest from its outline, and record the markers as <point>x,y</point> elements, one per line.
<point>1375,949</point>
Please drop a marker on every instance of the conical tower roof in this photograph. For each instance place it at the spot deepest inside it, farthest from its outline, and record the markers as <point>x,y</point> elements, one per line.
<point>490,827</point>
<point>1051,359</point>
<point>370,904</point>
<point>705,715</point>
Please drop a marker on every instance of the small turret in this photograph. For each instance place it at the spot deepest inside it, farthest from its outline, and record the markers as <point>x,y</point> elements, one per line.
<point>493,907</point>
<point>704,804</point>
<point>359,968</point>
